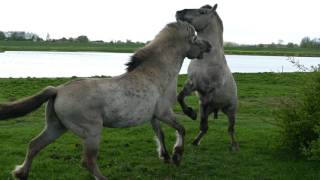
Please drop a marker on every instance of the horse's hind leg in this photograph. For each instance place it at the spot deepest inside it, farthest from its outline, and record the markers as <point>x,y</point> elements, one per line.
<point>186,91</point>
<point>204,109</point>
<point>91,148</point>
<point>231,114</point>
<point>169,118</point>
<point>51,132</point>
<point>163,153</point>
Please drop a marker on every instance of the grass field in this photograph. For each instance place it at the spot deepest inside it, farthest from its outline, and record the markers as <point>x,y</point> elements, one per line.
<point>303,52</point>
<point>131,153</point>
<point>131,47</point>
<point>68,46</point>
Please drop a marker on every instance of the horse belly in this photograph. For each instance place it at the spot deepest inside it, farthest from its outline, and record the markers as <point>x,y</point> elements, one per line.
<point>223,96</point>
<point>128,115</point>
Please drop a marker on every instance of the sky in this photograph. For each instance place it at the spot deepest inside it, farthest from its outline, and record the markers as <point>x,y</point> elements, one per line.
<point>245,21</point>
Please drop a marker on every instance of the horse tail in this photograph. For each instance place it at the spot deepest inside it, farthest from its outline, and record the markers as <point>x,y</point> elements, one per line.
<point>26,105</point>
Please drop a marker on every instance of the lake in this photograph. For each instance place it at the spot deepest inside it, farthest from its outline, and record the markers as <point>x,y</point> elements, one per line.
<point>86,64</point>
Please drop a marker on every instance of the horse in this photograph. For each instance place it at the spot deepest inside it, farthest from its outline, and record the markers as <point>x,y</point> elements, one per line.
<point>211,77</point>
<point>140,95</point>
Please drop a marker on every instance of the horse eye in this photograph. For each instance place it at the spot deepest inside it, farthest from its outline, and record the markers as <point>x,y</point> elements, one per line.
<point>202,12</point>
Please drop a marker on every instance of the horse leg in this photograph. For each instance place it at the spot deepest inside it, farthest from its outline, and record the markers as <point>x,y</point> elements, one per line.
<point>230,112</point>
<point>52,131</point>
<point>163,153</point>
<point>204,110</point>
<point>169,118</point>
<point>91,148</point>
<point>215,113</point>
<point>186,91</point>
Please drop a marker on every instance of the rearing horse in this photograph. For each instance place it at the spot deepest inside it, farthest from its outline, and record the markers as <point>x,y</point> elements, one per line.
<point>211,76</point>
<point>140,95</point>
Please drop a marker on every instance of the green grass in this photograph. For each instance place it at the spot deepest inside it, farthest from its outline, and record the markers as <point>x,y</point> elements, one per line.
<point>131,153</point>
<point>131,47</point>
<point>304,52</point>
<point>68,46</point>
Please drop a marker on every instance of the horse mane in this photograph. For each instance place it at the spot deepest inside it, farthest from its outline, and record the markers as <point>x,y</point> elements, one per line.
<point>142,55</point>
<point>137,59</point>
<point>219,21</point>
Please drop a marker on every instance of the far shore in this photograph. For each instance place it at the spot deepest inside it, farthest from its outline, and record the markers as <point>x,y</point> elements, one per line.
<point>132,47</point>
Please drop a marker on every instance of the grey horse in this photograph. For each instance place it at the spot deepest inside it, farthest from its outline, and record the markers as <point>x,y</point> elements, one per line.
<point>210,77</point>
<point>140,95</point>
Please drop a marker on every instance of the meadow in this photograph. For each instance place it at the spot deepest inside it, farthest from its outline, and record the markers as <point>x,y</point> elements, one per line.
<point>131,153</point>
<point>131,47</point>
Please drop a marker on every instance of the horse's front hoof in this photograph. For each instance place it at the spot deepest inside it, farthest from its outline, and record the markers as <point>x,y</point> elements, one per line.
<point>19,173</point>
<point>191,113</point>
<point>176,159</point>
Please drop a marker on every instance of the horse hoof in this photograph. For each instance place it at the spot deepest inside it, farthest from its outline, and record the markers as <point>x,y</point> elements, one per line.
<point>84,164</point>
<point>195,143</point>
<point>234,147</point>
<point>19,173</point>
<point>165,158</point>
<point>176,159</point>
<point>191,113</point>
<point>101,178</point>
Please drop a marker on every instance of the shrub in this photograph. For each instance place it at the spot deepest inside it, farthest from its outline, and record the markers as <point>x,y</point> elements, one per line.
<point>299,120</point>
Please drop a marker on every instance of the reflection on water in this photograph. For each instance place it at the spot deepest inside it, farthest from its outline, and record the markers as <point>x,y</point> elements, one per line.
<point>85,64</point>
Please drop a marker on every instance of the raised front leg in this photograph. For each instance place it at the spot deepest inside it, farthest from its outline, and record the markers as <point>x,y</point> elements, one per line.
<point>167,116</point>
<point>163,153</point>
<point>186,91</point>
<point>205,111</point>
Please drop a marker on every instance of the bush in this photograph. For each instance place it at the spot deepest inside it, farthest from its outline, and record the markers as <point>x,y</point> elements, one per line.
<point>299,120</point>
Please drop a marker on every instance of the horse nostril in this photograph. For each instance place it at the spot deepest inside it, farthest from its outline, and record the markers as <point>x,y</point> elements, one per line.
<point>208,49</point>
<point>208,46</point>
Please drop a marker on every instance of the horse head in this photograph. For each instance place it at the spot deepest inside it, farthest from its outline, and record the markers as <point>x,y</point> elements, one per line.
<point>186,37</point>
<point>200,18</point>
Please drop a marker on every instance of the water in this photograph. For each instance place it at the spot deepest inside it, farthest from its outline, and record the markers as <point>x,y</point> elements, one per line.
<point>86,64</point>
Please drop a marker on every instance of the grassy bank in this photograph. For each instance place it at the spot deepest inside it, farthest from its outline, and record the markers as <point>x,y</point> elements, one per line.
<point>68,46</point>
<point>131,153</point>
<point>131,47</point>
<point>300,52</point>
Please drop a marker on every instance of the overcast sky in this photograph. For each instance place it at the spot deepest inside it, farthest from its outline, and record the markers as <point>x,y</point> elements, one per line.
<point>245,21</point>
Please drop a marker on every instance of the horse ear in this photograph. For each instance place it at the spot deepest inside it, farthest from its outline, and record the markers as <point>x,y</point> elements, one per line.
<point>214,8</point>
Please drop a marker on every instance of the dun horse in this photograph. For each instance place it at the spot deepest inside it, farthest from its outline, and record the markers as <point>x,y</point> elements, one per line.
<point>210,77</point>
<point>141,94</point>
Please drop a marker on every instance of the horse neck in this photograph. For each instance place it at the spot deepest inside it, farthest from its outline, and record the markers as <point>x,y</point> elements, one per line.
<point>214,35</point>
<point>164,67</point>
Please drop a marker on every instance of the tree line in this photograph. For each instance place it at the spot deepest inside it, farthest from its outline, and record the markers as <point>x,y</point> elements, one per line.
<point>307,42</point>
<point>25,36</point>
